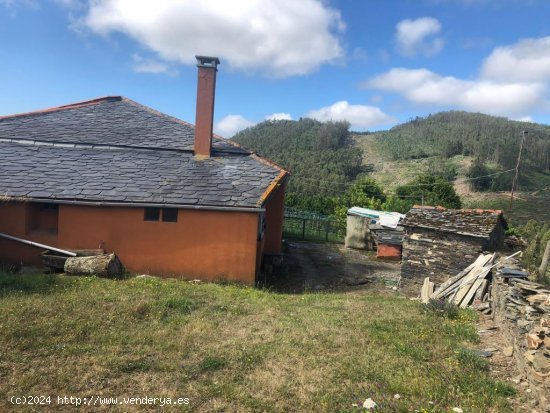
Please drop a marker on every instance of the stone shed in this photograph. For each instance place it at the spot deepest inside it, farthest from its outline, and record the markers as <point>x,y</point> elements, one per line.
<point>439,242</point>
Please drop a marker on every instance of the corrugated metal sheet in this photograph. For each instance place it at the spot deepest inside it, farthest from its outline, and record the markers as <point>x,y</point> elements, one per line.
<point>384,218</point>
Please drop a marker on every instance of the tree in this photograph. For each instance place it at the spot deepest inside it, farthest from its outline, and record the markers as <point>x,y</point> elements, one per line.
<point>434,190</point>
<point>478,172</point>
<point>365,193</point>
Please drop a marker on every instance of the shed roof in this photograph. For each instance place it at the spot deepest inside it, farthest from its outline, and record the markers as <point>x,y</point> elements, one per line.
<point>115,150</point>
<point>470,222</point>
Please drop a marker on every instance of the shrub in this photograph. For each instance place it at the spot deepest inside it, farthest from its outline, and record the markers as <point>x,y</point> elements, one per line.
<point>442,308</point>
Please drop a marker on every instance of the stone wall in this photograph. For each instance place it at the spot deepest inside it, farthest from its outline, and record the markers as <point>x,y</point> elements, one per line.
<point>438,255</point>
<point>522,311</point>
<point>496,238</point>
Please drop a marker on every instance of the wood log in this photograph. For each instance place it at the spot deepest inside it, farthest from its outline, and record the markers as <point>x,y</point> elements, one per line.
<point>88,252</point>
<point>107,265</point>
<point>480,293</point>
<point>544,264</point>
<point>424,294</point>
<point>431,288</point>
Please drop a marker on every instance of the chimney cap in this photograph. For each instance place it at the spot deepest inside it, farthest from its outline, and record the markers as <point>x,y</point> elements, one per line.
<point>207,61</point>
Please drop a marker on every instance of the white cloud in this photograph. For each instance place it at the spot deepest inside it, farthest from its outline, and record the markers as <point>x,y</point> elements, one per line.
<point>359,54</point>
<point>154,66</point>
<point>477,42</point>
<point>13,5</point>
<point>513,81</point>
<point>525,119</point>
<point>71,3</point>
<point>279,116</point>
<point>276,37</point>
<point>416,37</point>
<point>231,124</point>
<point>426,87</point>
<point>525,61</point>
<point>360,116</point>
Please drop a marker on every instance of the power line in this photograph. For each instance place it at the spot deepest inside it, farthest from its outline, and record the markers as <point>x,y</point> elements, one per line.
<point>409,185</point>
<point>516,176</point>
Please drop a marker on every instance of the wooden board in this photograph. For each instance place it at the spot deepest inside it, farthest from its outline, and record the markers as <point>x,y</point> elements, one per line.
<point>469,277</point>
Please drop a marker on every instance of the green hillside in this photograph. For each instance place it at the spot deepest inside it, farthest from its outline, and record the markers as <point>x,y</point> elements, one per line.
<point>327,161</point>
<point>491,141</point>
<point>321,156</point>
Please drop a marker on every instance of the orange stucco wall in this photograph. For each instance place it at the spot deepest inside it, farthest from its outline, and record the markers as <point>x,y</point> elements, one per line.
<point>15,219</point>
<point>202,244</point>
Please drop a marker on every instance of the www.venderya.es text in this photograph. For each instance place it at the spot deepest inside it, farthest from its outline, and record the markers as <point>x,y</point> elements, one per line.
<point>98,401</point>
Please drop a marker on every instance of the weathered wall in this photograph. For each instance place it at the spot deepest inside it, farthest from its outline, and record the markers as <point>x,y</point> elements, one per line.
<point>520,309</point>
<point>358,235</point>
<point>496,238</point>
<point>202,244</point>
<point>274,217</point>
<point>437,255</point>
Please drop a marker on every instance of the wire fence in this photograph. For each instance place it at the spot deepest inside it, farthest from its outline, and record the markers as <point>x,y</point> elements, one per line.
<point>314,228</point>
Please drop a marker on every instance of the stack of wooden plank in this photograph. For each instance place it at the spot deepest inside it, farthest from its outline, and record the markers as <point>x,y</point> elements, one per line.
<point>470,285</point>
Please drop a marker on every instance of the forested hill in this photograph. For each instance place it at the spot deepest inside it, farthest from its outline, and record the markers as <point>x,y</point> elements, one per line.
<point>319,155</point>
<point>487,138</point>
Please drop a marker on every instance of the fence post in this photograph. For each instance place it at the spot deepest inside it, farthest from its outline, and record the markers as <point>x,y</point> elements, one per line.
<point>326,229</point>
<point>303,228</point>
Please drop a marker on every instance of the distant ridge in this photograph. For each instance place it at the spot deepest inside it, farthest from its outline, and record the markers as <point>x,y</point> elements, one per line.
<point>490,138</point>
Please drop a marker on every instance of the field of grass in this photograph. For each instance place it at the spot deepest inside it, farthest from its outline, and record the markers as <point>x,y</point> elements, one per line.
<point>525,205</point>
<point>232,348</point>
<point>391,173</point>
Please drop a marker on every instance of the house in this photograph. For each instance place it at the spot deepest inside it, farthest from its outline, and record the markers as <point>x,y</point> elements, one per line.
<point>439,243</point>
<point>167,197</point>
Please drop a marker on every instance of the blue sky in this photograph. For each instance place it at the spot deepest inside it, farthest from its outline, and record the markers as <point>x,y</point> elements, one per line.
<point>373,62</point>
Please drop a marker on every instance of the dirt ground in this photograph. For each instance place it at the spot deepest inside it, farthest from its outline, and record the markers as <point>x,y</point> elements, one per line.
<point>309,266</point>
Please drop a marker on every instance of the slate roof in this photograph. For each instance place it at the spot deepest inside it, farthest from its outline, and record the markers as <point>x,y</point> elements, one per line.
<point>471,222</point>
<point>116,150</point>
<point>384,235</point>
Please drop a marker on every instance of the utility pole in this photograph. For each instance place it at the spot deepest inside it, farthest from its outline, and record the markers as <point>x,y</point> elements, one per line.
<point>516,175</point>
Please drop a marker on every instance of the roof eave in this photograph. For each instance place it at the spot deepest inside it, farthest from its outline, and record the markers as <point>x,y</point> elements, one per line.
<point>236,208</point>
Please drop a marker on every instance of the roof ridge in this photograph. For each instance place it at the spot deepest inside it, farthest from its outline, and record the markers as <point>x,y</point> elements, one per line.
<point>87,145</point>
<point>463,210</point>
<point>74,105</point>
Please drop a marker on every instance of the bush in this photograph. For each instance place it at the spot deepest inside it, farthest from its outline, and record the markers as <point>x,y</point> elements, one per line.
<point>478,172</point>
<point>442,308</point>
<point>537,235</point>
<point>433,189</point>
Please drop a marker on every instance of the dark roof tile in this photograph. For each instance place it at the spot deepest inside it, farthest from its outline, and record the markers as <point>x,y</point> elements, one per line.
<point>116,150</point>
<point>472,222</point>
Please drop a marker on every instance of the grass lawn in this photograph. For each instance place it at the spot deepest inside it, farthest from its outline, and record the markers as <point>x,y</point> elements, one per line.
<point>524,208</point>
<point>236,349</point>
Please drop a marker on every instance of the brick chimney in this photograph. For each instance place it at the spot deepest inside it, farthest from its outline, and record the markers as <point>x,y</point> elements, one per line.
<point>206,87</point>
